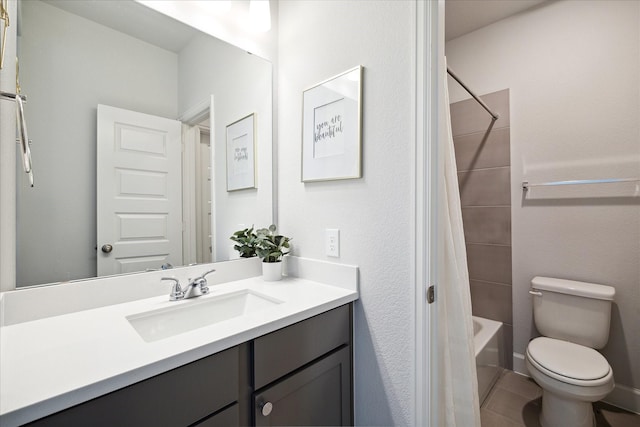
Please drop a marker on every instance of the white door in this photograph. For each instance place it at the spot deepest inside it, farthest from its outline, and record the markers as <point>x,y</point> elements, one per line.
<point>203,198</point>
<point>139,201</point>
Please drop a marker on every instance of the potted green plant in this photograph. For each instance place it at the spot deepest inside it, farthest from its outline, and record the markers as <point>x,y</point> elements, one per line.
<point>271,247</point>
<point>246,242</point>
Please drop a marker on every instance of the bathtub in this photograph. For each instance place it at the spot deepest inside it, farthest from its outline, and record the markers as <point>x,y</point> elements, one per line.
<point>488,341</point>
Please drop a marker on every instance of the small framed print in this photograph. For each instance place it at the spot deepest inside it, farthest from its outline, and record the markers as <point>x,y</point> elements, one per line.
<point>241,163</point>
<point>331,128</point>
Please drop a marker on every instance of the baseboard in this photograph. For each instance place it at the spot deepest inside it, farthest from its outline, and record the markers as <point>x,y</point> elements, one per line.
<point>519,364</point>
<point>624,397</point>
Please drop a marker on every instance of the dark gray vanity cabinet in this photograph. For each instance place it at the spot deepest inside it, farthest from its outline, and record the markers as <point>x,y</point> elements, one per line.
<point>297,375</point>
<point>208,389</point>
<point>302,373</point>
<point>227,417</point>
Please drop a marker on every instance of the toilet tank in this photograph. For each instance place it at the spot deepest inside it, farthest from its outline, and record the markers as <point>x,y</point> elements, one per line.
<point>573,311</point>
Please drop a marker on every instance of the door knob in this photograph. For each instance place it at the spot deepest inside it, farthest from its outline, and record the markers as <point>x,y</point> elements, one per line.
<point>266,408</point>
<point>107,248</point>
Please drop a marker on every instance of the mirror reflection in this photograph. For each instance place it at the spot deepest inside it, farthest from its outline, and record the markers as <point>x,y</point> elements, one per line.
<point>96,71</point>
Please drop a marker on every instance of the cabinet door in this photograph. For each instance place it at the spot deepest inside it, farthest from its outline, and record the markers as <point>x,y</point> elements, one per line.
<point>319,394</point>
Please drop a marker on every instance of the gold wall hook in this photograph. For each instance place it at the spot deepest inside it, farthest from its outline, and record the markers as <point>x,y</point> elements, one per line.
<point>18,89</point>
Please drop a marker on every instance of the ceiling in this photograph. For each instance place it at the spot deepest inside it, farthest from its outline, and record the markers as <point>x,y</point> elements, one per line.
<point>132,18</point>
<point>465,16</point>
<point>461,17</point>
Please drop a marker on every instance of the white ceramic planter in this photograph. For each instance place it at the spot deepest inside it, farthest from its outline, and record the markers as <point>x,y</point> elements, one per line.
<point>272,271</point>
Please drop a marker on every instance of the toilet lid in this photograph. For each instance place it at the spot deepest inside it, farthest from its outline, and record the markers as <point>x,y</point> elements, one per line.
<point>568,359</point>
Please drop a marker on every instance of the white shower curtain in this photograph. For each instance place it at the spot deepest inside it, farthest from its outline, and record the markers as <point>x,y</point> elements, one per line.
<point>458,384</point>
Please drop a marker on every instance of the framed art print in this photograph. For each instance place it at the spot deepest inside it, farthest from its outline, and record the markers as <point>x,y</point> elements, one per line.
<point>241,164</point>
<point>331,128</point>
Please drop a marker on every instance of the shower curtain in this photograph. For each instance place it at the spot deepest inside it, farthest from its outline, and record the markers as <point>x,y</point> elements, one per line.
<point>458,383</point>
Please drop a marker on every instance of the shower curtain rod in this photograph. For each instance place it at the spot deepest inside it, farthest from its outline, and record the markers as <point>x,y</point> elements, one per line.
<point>494,116</point>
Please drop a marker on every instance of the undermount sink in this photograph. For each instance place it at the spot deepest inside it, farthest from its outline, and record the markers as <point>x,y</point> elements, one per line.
<point>198,313</point>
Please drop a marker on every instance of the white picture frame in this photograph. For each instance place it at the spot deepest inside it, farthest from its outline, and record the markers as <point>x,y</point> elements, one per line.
<point>331,128</point>
<point>241,159</point>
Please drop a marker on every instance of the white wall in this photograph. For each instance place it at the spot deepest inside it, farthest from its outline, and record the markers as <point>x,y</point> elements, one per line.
<point>65,74</point>
<point>238,90</point>
<point>572,68</point>
<point>318,40</point>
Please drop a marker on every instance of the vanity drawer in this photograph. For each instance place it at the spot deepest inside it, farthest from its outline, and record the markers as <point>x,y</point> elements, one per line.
<point>179,397</point>
<point>290,348</point>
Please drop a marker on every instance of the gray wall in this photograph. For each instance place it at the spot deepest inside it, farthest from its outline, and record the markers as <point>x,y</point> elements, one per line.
<point>484,176</point>
<point>8,181</point>
<point>68,66</point>
<point>572,70</point>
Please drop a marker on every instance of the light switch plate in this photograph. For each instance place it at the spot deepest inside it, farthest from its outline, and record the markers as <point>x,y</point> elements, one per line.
<point>332,242</point>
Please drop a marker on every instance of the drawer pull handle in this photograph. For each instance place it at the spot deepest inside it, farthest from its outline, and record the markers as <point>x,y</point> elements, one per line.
<point>266,408</point>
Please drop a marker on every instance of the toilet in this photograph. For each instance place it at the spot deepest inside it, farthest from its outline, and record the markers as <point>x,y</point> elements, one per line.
<point>573,318</point>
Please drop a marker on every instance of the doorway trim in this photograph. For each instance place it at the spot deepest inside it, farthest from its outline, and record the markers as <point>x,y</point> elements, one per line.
<point>191,129</point>
<point>429,51</point>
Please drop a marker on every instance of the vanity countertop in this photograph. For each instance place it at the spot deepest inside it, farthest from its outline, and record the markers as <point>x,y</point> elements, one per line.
<point>50,364</point>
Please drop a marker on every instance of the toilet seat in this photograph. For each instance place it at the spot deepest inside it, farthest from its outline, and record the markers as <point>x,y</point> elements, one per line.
<point>569,362</point>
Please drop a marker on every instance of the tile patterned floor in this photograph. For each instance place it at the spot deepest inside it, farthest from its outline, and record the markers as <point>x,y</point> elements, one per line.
<point>515,401</point>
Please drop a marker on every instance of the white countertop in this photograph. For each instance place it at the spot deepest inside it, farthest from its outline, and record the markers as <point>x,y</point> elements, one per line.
<point>50,364</point>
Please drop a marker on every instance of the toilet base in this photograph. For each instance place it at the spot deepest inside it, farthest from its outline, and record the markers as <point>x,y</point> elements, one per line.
<point>558,411</point>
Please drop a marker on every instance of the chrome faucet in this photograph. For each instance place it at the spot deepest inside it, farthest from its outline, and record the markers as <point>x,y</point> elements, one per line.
<point>196,287</point>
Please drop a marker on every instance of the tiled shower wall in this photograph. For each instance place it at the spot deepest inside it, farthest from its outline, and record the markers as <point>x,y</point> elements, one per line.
<point>484,175</point>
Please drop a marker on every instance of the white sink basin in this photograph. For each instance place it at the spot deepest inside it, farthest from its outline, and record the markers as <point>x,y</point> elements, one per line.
<point>198,313</point>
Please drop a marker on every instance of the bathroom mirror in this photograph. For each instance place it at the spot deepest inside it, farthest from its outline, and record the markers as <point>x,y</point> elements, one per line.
<point>74,56</point>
